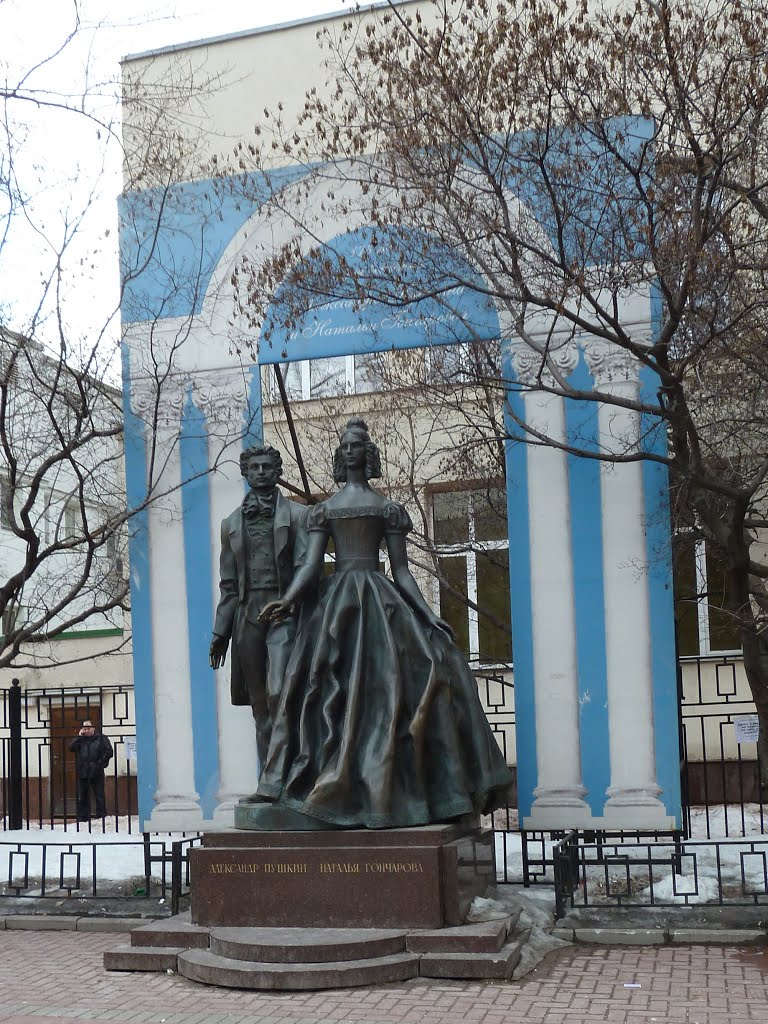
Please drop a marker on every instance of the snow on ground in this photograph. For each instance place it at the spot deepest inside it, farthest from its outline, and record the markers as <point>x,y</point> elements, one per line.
<point>509,849</point>
<point>734,821</point>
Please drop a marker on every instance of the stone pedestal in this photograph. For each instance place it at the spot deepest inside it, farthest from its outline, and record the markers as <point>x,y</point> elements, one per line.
<point>395,878</point>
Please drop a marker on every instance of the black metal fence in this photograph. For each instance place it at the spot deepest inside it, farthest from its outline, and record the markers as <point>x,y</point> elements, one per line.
<point>723,791</point>
<point>37,768</point>
<point>151,869</point>
<point>497,693</point>
<point>614,871</point>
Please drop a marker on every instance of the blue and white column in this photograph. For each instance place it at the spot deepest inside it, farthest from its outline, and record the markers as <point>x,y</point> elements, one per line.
<point>632,798</point>
<point>176,801</point>
<point>559,793</point>
<point>225,398</point>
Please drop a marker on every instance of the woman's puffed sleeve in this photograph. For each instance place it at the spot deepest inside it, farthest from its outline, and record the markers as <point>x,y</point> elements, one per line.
<point>317,519</point>
<point>396,518</point>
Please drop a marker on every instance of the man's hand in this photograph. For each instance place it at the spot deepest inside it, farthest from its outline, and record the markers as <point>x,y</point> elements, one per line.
<point>218,651</point>
<point>275,611</point>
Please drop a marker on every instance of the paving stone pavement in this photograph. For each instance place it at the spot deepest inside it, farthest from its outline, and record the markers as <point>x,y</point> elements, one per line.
<point>56,976</point>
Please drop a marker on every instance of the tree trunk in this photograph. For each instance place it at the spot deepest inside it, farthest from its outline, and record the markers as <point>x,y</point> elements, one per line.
<point>755,650</point>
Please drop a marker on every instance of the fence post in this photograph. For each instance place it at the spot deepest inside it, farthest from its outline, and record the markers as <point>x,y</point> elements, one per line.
<point>565,864</point>
<point>524,853</point>
<point>176,864</point>
<point>15,809</point>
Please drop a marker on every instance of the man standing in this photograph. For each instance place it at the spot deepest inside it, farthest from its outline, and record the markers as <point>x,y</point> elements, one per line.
<point>94,752</point>
<point>262,543</point>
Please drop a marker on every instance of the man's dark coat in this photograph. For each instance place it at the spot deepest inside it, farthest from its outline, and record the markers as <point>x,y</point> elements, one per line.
<point>290,548</point>
<point>93,755</point>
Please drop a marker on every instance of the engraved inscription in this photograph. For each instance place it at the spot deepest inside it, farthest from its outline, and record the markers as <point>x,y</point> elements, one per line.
<point>252,869</point>
<point>325,868</point>
<point>234,869</point>
<point>285,869</point>
<point>396,867</point>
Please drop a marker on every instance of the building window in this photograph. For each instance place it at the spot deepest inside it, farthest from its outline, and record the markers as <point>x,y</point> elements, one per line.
<point>48,516</point>
<point>472,543</point>
<point>464,363</point>
<point>71,526</point>
<point>13,616</point>
<point>6,504</point>
<point>327,378</point>
<point>448,364</point>
<point>702,600</point>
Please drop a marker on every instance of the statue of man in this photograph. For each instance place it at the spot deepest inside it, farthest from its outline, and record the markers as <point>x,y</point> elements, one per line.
<point>262,544</point>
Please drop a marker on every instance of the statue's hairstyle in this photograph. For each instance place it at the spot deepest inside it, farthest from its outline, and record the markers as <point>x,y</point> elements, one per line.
<point>356,425</point>
<point>249,453</point>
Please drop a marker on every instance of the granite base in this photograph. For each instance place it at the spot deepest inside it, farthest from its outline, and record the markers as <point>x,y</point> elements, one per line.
<point>394,878</point>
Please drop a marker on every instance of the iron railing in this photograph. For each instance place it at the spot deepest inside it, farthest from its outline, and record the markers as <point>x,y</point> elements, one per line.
<point>151,868</point>
<point>721,779</point>
<point>38,769</point>
<point>615,872</point>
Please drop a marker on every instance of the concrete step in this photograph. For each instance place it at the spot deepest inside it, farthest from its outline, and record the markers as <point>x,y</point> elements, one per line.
<point>305,945</point>
<point>210,969</point>
<point>142,958</point>
<point>175,931</point>
<point>484,937</point>
<point>499,965</point>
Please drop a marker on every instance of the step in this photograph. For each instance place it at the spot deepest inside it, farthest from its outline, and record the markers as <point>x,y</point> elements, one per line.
<point>141,958</point>
<point>499,965</point>
<point>206,967</point>
<point>174,931</point>
<point>305,945</point>
<point>483,937</point>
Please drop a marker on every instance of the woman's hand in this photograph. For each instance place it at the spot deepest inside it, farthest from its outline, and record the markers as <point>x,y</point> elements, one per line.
<point>276,611</point>
<point>437,623</point>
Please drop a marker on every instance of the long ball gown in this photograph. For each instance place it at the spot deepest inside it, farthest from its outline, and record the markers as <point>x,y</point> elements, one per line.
<point>379,723</point>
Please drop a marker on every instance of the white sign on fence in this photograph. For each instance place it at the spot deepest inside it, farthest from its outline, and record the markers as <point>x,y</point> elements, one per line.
<point>746,728</point>
<point>130,748</point>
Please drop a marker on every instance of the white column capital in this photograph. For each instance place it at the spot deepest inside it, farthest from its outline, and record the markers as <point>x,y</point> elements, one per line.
<point>158,404</point>
<point>221,396</point>
<point>609,363</point>
<point>532,365</point>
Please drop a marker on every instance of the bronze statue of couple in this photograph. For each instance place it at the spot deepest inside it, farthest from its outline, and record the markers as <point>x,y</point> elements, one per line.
<point>367,714</point>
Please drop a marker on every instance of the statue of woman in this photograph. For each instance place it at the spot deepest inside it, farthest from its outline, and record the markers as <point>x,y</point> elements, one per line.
<point>379,723</point>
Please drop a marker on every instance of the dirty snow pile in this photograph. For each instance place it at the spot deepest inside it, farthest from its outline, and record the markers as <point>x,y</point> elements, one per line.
<point>537,913</point>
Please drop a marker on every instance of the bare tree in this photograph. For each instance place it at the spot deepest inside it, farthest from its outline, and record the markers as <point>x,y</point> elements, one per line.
<point>62,511</point>
<point>64,523</point>
<point>552,159</point>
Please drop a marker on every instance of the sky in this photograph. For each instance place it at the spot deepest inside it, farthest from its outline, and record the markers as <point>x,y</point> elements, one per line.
<point>67,166</point>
